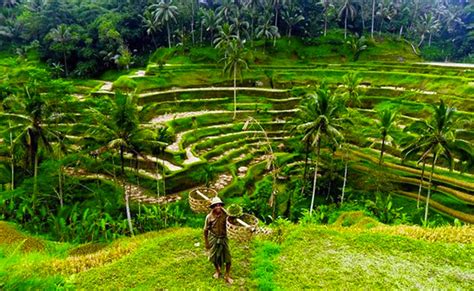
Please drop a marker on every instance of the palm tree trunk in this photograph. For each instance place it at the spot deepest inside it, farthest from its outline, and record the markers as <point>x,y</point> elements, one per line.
<point>305,166</point>
<point>122,161</point>
<point>315,179</point>
<point>421,40</point>
<point>201,33</point>
<point>157,180</point>
<point>276,23</point>
<point>400,33</point>
<point>192,20</point>
<point>325,21</point>
<point>435,157</point>
<point>235,92</point>
<point>35,179</point>
<point>382,150</point>
<point>65,62</point>
<point>127,206</point>
<point>60,186</point>
<point>373,19</point>
<point>345,25</point>
<point>12,162</point>
<point>163,172</point>
<point>344,183</point>
<point>421,185</point>
<point>429,40</point>
<point>169,36</point>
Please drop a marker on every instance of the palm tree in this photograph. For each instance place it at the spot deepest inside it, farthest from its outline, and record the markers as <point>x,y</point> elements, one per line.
<point>266,30</point>
<point>30,129</point>
<point>238,25</point>
<point>427,24</point>
<point>225,10</point>
<point>151,25</point>
<point>234,63</point>
<point>210,21</point>
<point>351,82</point>
<point>62,36</point>
<point>164,12</point>
<point>386,126</point>
<point>292,16</point>
<point>357,45</point>
<point>321,119</point>
<point>120,131</point>
<point>326,4</point>
<point>225,37</point>
<point>437,140</point>
<point>348,9</point>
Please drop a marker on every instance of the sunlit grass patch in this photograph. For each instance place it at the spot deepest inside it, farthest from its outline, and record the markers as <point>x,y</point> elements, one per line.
<point>319,257</point>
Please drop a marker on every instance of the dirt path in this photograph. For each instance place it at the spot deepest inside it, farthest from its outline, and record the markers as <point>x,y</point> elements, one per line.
<point>204,89</point>
<point>447,64</point>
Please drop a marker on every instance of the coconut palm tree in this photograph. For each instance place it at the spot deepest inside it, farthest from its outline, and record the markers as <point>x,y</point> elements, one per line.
<point>349,10</point>
<point>320,117</point>
<point>386,125</point>
<point>29,128</point>
<point>351,82</point>
<point>326,4</point>
<point>427,24</point>
<point>210,21</point>
<point>62,36</point>
<point>292,16</point>
<point>120,131</point>
<point>164,12</point>
<point>437,140</point>
<point>239,25</point>
<point>225,37</point>
<point>266,30</point>
<point>234,63</point>
<point>357,45</point>
<point>150,25</point>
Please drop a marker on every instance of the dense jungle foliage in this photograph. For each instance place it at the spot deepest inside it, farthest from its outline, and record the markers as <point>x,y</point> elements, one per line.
<point>85,38</point>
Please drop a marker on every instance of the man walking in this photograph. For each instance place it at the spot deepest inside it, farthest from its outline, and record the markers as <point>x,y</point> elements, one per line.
<point>215,237</point>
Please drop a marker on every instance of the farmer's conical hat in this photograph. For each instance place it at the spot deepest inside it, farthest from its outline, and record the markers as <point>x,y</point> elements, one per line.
<point>216,200</point>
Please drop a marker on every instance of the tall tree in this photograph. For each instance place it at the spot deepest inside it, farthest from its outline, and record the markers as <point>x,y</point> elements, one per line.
<point>321,119</point>
<point>120,131</point>
<point>438,140</point>
<point>210,21</point>
<point>151,26</point>
<point>30,129</point>
<point>234,64</point>
<point>225,37</point>
<point>327,5</point>
<point>63,37</point>
<point>386,125</point>
<point>266,30</point>
<point>164,12</point>
<point>348,10</point>
<point>351,83</point>
<point>292,16</point>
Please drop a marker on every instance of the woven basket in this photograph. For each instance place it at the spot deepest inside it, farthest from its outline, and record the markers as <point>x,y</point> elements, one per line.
<point>199,204</point>
<point>239,232</point>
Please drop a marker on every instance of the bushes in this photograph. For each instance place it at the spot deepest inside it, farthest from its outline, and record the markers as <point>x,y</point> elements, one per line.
<point>125,83</point>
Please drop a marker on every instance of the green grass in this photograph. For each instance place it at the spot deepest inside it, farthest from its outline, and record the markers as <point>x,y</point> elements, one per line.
<point>320,258</point>
<point>294,257</point>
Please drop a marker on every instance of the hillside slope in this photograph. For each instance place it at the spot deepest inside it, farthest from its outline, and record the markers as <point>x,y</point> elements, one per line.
<point>294,257</point>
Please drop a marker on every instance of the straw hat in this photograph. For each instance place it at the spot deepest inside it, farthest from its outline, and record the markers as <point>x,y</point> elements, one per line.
<point>216,200</point>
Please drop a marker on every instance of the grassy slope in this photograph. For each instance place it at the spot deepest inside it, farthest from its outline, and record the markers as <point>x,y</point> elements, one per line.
<point>309,256</point>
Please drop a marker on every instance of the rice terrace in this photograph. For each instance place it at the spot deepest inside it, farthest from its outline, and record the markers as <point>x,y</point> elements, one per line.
<point>336,136</point>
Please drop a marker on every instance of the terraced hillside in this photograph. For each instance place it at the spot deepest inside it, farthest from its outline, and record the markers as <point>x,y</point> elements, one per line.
<point>188,105</point>
<point>195,103</point>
